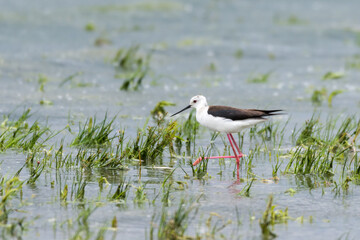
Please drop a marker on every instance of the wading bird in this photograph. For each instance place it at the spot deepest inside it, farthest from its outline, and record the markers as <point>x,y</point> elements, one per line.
<point>226,120</point>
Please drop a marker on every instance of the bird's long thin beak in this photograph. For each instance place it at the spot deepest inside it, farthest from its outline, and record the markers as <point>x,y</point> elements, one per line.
<point>181,110</point>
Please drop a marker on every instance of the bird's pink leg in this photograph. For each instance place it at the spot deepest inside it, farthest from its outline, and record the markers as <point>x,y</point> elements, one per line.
<point>215,157</point>
<point>237,158</point>
<point>236,145</point>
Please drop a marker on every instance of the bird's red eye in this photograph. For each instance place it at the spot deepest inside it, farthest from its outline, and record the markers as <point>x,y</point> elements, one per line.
<point>194,101</point>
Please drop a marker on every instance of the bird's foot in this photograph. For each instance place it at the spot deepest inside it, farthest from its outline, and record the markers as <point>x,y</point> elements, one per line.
<point>197,161</point>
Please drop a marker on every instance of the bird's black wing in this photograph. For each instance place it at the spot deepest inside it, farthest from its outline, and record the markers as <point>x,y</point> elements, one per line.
<point>240,114</point>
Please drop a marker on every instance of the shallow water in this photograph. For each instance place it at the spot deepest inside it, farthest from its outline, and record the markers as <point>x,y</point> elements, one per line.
<point>297,41</point>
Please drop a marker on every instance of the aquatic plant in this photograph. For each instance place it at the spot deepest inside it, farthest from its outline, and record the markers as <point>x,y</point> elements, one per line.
<point>320,147</point>
<point>134,66</point>
<point>159,111</point>
<point>90,27</point>
<point>78,188</point>
<point>42,80</point>
<point>332,95</point>
<point>187,132</point>
<point>19,135</point>
<point>239,53</point>
<point>64,193</point>
<point>306,134</point>
<point>129,59</point>
<point>311,161</point>
<point>333,75</point>
<point>9,189</point>
<point>291,20</point>
<point>318,96</point>
<point>151,142</point>
<point>110,158</point>
<point>82,223</point>
<point>266,221</point>
<point>93,134</point>
<point>211,67</point>
<point>214,228</point>
<point>246,189</point>
<point>140,194</point>
<point>121,192</point>
<point>173,226</point>
<point>342,186</point>
<point>102,41</point>
<point>276,167</point>
<point>200,170</point>
<point>35,172</point>
<point>166,186</point>
<point>72,79</point>
<point>133,80</point>
<point>353,62</point>
<point>259,78</point>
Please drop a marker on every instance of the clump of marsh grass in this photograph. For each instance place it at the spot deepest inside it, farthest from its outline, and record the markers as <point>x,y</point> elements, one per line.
<point>321,147</point>
<point>166,187</point>
<point>306,134</point>
<point>129,59</point>
<point>272,132</point>
<point>159,112</point>
<point>353,62</point>
<point>149,145</point>
<point>93,134</point>
<point>140,194</point>
<point>245,192</point>
<point>133,65</point>
<point>9,189</point>
<point>110,158</point>
<point>18,134</point>
<point>265,222</point>
<point>133,80</point>
<point>200,170</point>
<point>78,188</point>
<point>333,75</point>
<point>83,230</point>
<point>21,122</point>
<point>320,95</point>
<point>187,133</point>
<point>35,172</point>
<point>151,142</point>
<point>259,78</point>
<point>121,192</point>
<point>174,226</point>
<point>311,161</point>
<point>72,79</point>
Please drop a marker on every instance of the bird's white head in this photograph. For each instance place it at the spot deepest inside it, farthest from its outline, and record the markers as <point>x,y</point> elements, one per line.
<point>197,102</point>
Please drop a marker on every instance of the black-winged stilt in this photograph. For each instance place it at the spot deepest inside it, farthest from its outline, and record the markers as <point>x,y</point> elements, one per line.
<point>226,120</point>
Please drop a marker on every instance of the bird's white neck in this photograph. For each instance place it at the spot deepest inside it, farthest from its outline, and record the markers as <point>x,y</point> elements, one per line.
<point>201,112</point>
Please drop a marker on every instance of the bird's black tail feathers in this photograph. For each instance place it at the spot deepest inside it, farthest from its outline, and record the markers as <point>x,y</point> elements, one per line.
<point>273,112</point>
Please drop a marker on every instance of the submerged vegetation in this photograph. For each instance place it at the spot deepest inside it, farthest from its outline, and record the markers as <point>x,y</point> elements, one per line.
<point>259,78</point>
<point>320,95</point>
<point>324,152</point>
<point>132,67</point>
<point>19,134</point>
<point>333,75</point>
<point>93,134</point>
<point>98,156</point>
<point>159,112</point>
